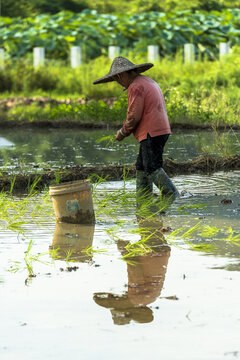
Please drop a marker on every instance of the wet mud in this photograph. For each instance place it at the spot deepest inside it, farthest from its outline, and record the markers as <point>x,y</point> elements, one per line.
<point>55,124</point>
<point>80,217</point>
<point>206,164</point>
<point>64,123</point>
<point>11,102</point>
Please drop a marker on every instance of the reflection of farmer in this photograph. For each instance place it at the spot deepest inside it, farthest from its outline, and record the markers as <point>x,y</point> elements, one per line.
<point>146,275</point>
<point>148,121</point>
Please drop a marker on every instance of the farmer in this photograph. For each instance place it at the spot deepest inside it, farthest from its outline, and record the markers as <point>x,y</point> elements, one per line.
<point>148,121</point>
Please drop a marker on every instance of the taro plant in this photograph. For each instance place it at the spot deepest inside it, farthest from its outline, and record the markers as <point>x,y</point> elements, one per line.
<point>168,30</point>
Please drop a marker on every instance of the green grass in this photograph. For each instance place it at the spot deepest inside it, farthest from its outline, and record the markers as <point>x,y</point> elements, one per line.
<point>92,112</point>
<point>14,210</point>
<point>204,93</point>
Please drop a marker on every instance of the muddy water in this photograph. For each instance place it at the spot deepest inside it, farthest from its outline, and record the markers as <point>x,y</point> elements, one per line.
<point>25,149</point>
<point>176,302</point>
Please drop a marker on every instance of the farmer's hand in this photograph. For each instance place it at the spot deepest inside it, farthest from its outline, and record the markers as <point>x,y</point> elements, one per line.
<point>119,136</point>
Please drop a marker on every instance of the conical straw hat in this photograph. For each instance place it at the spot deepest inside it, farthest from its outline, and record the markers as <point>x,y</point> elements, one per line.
<point>119,65</point>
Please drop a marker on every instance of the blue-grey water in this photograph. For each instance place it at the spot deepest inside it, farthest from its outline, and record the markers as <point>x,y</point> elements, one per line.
<point>28,149</point>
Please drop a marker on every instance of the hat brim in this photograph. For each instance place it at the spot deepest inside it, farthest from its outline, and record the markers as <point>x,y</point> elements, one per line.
<point>110,77</point>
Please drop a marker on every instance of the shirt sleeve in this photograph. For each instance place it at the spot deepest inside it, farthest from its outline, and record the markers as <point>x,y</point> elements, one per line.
<point>135,109</point>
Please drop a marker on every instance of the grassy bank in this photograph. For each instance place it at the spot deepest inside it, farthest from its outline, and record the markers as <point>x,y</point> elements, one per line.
<point>204,93</point>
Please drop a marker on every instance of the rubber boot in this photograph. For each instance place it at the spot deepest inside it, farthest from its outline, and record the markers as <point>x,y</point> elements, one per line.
<point>164,183</point>
<point>146,202</point>
<point>144,187</point>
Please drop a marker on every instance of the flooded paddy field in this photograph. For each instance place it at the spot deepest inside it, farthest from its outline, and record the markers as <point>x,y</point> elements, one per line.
<point>132,284</point>
<point>28,150</point>
<point>139,282</point>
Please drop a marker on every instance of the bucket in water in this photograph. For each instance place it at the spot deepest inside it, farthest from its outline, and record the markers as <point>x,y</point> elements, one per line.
<point>72,202</point>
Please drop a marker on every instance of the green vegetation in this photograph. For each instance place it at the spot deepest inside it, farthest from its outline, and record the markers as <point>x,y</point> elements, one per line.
<point>29,259</point>
<point>14,210</point>
<point>93,112</point>
<point>203,93</point>
<point>94,32</point>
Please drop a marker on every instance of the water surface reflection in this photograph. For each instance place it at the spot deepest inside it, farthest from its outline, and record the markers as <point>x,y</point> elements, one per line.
<point>72,240</point>
<point>53,148</point>
<point>146,275</point>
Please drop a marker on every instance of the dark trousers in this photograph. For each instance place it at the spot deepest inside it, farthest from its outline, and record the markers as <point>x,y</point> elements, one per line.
<point>150,153</point>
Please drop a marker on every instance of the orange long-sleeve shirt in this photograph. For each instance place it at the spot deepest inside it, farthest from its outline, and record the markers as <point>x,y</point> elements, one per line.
<point>146,110</point>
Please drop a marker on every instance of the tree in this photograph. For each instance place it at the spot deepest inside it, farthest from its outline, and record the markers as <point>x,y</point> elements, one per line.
<point>12,8</point>
<point>25,8</point>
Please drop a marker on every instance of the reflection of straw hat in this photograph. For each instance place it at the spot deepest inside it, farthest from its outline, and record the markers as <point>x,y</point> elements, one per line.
<point>122,309</point>
<point>120,65</point>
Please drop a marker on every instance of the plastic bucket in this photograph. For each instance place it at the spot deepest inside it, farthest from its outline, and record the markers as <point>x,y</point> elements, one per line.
<point>72,202</point>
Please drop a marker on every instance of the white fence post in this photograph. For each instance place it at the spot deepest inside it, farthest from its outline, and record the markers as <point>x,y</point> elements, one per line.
<point>224,48</point>
<point>2,53</point>
<point>153,53</point>
<point>113,51</point>
<point>189,53</point>
<point>38,56</point>
<point>76,56</point>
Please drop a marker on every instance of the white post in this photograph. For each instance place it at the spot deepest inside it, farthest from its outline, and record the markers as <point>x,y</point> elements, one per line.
<point>113,51</point>
<point>189,52</point>
<point>76,56</point>
<point>153,53</point>
<point>224,48</point>
<point>2,59</point>
<point>38,56</point>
